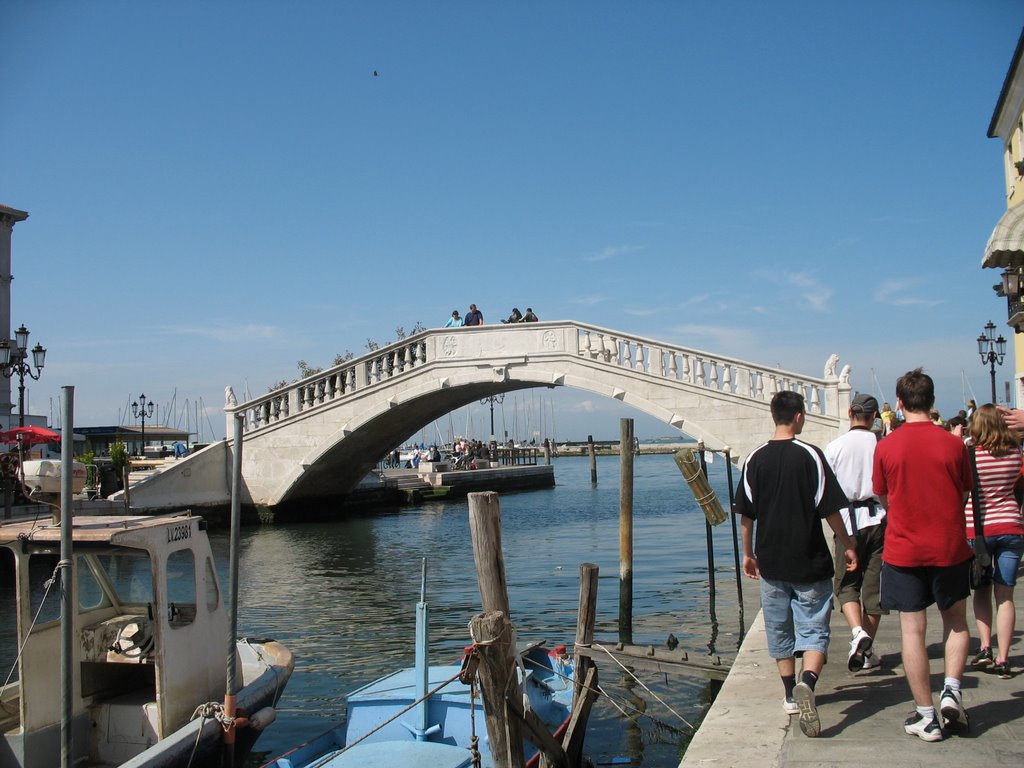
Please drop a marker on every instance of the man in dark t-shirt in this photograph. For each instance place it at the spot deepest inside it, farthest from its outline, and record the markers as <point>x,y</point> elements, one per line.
<point>788,488</point>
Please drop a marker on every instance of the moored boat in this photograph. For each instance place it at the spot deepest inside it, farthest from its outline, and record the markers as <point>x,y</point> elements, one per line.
<point>433,717</point>
<point>150,640</point>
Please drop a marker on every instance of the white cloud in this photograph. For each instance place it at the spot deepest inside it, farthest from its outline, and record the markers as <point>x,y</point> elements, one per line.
<point>588,301</point>
<point>809,288</point>
<point>613,251</point>
<point>896,293</point>
<point>584,406</point>
<point>225,333</point>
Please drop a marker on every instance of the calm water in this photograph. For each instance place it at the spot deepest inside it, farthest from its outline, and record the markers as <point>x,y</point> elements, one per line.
<point>342,595</point>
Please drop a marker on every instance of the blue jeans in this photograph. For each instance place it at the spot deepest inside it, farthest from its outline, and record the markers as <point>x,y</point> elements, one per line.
<point>796,616</point>
<point>1006,551</point>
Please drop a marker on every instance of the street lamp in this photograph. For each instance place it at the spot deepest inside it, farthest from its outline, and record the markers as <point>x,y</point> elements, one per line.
<point>15,361</point>
<point>141,409</point>
<point>992,351</point>
<point>492,399</point>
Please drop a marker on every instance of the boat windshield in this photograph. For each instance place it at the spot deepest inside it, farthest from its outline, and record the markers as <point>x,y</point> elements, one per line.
<point>119,577</point>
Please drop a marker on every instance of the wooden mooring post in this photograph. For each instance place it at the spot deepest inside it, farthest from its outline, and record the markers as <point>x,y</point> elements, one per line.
<point>593,459</point>
<point>626,531</point>
<point>492,632</point>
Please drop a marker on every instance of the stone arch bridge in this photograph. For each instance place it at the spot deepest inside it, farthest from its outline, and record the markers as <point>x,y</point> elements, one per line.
<point>318,437</point>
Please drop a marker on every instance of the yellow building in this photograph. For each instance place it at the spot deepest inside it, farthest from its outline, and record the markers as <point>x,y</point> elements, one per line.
<point>1005,248</point>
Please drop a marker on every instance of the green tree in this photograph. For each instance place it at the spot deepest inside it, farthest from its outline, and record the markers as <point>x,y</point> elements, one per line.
<point>119,456</point>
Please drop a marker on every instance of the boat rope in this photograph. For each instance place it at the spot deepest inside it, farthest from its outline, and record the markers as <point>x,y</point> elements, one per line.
<point>643,685</point>
<point>208,711</point>
<point>474,740</point>
<point>21,647</point>
<point>611,699</point>
<point>390,720</point>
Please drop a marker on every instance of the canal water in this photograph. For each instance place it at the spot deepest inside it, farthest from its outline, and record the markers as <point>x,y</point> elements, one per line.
<point>342,597</point>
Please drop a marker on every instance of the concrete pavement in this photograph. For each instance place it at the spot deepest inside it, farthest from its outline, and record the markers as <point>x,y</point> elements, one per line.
<point>861,715</point>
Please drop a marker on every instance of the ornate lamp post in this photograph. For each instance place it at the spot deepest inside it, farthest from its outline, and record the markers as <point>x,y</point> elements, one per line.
<point>142,409</point>
<point>15,361</point>
<point>992,351</point>
<point>492,399</point>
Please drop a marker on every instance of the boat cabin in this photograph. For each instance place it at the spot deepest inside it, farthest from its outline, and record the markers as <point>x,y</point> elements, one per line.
<point>150,635</point>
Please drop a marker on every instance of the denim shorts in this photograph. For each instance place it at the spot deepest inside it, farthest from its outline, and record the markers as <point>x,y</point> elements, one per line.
<point>1006,551</point>
<point>796,616</point>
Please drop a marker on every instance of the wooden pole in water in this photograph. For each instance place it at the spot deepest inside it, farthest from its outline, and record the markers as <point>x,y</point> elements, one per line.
<point>625,530</point>
<point>492,632</point>
<point>593,459</point>
<point>585,620</point>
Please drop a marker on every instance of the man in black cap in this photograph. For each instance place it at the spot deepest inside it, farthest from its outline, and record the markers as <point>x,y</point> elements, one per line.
<point>852,458</point>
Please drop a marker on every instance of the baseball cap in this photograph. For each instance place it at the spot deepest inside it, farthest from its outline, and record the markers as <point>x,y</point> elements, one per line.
<point>865,404</point>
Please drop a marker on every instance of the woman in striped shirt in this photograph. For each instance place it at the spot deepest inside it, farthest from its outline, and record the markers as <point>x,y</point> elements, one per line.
<point>998,458</point>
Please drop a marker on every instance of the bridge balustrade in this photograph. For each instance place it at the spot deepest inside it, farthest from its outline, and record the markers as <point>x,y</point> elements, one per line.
<point>698,368</point>
<point>326,386</point>
<point>693,367</point>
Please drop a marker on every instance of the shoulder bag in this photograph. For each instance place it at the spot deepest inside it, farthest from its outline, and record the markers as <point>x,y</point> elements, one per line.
<point>981,565</point>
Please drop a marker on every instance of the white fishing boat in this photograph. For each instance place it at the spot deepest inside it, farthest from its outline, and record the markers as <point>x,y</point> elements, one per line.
<point>150,639</point>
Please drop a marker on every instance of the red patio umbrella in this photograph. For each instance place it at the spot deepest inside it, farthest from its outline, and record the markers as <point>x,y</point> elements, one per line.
<point>30,435</point>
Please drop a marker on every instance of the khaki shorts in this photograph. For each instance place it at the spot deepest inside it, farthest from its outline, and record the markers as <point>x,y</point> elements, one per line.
<point>863,584</point>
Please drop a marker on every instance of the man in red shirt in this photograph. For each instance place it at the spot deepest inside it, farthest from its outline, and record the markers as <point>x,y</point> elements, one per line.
<point>922,475</point>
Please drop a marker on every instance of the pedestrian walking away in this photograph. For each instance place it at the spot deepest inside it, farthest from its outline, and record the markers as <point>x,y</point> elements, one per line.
<point>786,489</point>
<point>997,457</point>
<point>922,476</point>
<point>852,456</point>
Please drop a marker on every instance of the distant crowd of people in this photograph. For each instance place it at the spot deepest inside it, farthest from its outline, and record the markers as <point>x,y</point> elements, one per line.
<point>475,317</point>
<point>923,511</point>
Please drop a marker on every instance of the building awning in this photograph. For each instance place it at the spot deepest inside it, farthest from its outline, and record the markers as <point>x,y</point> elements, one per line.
<point>1006,246</point>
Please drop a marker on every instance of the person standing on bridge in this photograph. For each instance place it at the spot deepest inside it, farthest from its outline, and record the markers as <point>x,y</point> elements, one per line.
<point>787,487</point>
<point>852,457</point>
<point>474,316</point>
<point>922,475</point>
<point>454,321</point>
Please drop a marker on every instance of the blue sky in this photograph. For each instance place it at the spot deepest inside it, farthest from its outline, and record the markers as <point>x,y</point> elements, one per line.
<point>218,190</point>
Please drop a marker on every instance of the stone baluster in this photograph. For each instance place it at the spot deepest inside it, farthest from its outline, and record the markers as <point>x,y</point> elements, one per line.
<point>640,365</point>
<point>687,374</point>
<point>351,379</point>
<point>587,348</point>
<point>744,385</point>
<point>698,369</point>
<point>408,356</point>
<point>627,354</point>
<point>815,402</point>
<point>378,369</point>
<point>727,378</point>
<point>673,372</point>
<point>713,368</point>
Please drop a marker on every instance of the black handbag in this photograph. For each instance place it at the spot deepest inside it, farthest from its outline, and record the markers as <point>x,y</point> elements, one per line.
<point>981,565</point>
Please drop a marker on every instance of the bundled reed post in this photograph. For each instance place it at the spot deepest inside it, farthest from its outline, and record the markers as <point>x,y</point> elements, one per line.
<point>689,464</point>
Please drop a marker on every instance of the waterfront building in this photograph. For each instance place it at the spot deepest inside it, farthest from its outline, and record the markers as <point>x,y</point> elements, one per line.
<point>1005,248</point>
<point>8,218</point>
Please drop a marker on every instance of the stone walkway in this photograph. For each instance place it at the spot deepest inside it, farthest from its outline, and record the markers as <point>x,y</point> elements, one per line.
<point>861,716</point>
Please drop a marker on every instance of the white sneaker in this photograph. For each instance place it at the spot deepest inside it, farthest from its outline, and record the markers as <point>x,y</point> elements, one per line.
<point>871,663</point>
<point>789,706</point>
<point>859,647</point>
<point>810,724</point>
<point>951,706</point>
